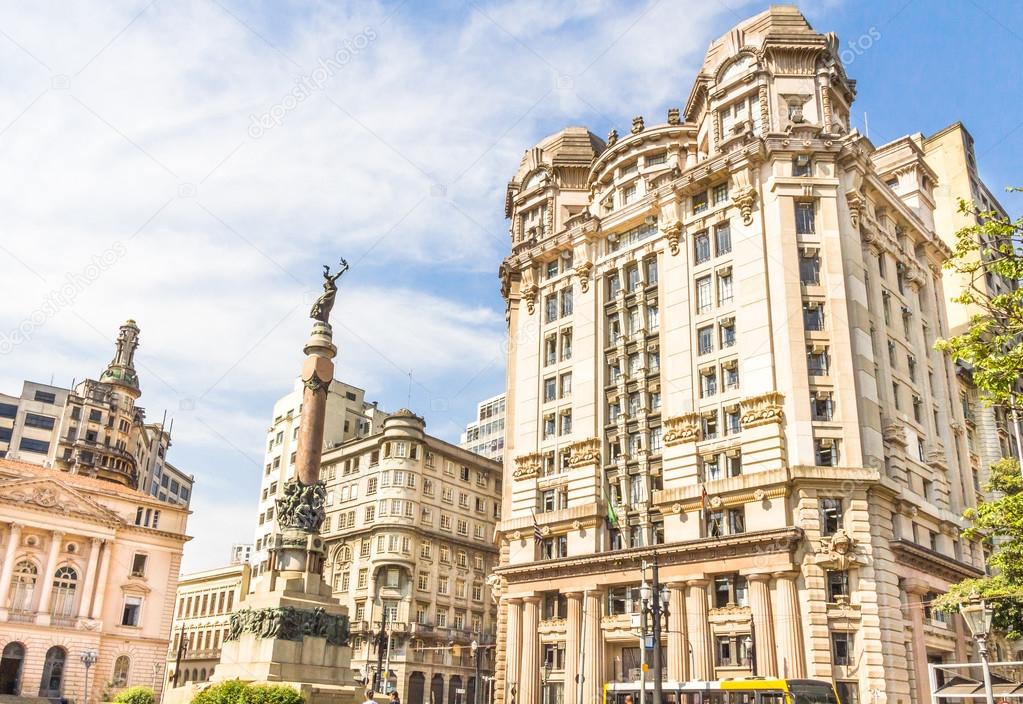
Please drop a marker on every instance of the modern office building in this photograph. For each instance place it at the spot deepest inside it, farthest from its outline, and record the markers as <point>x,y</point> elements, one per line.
<point>89,565</point>
<point>410,539</point>
<point>485,435</point>
<point>723,360</point>
<point>349,416</point>
<point>95,429</point>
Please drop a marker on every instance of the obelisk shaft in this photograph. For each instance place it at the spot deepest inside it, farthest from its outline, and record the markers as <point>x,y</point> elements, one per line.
<point>317,373</point>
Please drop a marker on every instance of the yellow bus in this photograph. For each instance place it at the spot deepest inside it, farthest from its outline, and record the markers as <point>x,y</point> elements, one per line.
<point>746,690</point>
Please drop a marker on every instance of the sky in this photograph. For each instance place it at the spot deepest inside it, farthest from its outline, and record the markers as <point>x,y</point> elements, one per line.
<point>192,164</point>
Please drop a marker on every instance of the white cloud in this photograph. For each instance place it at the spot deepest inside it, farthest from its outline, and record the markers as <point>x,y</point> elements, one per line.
<point>130,124</point>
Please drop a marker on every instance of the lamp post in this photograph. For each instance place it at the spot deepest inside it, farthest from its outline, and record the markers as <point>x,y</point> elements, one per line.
<point>545,675</point>
<point>476,653</point>
<point>658,601</point>
<point>748,642</point>
<point>89,658</point>
<point>977,615</point>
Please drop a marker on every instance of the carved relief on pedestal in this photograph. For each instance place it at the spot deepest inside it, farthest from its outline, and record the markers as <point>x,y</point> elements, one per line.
<point>763,409</point>
<point>743,194</point>
<point>527,466</point>
<point>674,233</point>
<point>583,453</point>
<point>612,137</point>
<point>682,429</point>
<point>582,272</point>
<point>837,551</point>
<point>673,116</point>
<point>637,124</point>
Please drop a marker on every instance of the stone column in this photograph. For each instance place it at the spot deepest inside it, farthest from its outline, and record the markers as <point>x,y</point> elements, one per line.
<point>101,581</point>
<point>88,580</point>
<point>698,628</point>
<point>789,626</point>
<point>763,624</point>
<point>593,650</point>
<point>514,650</point>
<point>13,540</point>
<point>573,631</point>
<point>317,374</point>
<point>678,642</point>
<point>529,676</point>
<point>921,677</point>
<point>56,538</point>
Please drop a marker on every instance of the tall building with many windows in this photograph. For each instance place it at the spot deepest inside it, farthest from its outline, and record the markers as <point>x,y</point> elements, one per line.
<point>348,416</point>
<point>485,435</point>
<point>95,429</point>
<point>410,539</point>
<point>723,360</point>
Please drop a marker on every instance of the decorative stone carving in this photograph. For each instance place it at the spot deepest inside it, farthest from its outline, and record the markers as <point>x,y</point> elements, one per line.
<point>759,494</point>
<point>583,453</point>
<point>762,409</point>
<point>301,506</point>
<point>855,204</point>
<point>527,466</point>
<point>894,432</point>
<point>676,507</point>
<point>582,272</point>
<point>637,124</point>
<point>715,501</point>
<point>681,429</point>
<point>317,385</point>
<point>612,137</point>
<point>743,200</point>
<point>674,234</point>
<point>673,116</point>
<point>529,294</point>
<point>576,525</point>
<point>837,551</point>
<point>289,623</point>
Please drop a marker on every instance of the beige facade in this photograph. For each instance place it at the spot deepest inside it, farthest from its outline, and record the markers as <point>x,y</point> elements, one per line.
<point>87,565</point>
<point>202,613</point>
<point>95,429</point>
<point>485,435</point>
<point>722,358</point>
<point>409,533</point>
<point>348,416</point>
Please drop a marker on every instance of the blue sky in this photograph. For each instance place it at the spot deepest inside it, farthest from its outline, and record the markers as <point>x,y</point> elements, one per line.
<point>131,133</point>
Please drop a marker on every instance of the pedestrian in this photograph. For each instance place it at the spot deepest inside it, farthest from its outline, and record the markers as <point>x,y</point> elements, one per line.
<point>369,697</point>
<point>628,699</point>
<point>394,698</point>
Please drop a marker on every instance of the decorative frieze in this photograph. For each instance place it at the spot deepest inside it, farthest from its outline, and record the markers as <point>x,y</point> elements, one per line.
<point>583,453</point>
<point>762,409</point>
<point>681,429</point>
<point>302,506</point>
<point>527,466</point>
<point>289,623</point>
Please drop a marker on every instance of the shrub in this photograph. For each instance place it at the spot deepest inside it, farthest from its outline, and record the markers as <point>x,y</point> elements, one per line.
<point>238,692</point>
<point>135,695</point>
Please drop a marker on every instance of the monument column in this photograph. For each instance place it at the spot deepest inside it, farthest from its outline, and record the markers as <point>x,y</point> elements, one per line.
<point>529,678</point>
<point>573,629</point>
<point>13,540</point>
<point>698,628</point>
<point>763,636</point>
<point>593,649</point>
<point>43,609</point>
<point>678,646</point>
<point>514,649</point>
<point>90,577</point>
<point>790,626</point>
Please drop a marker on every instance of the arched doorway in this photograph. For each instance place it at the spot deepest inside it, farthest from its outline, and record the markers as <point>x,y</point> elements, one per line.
<point>416,688</point>
<point>11,662</point>
<point>437,689</point>
<point>53,673</point>
<point>455,695</point>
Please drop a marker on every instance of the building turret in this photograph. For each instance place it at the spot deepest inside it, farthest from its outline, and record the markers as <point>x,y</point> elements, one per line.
<point>121,370</point>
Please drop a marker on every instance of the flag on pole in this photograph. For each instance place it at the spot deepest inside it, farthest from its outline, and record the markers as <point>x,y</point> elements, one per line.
<point>612,515</point>
<point>703,501</point>
<point>537,533</point>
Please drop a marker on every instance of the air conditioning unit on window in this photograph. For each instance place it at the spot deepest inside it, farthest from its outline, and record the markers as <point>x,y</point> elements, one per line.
<point>827,443</point>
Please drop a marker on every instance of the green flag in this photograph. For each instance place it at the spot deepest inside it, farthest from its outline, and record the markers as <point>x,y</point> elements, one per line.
<point>612,517</point>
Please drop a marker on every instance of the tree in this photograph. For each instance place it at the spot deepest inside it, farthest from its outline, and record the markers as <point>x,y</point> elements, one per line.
<point>135,695</point>
<point>992,345</point>
<point>238,692</point>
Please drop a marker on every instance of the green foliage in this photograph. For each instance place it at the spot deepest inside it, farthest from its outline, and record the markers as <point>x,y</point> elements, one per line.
<point>238,692</point>
<point>135,695</point>
<point>992,346</point>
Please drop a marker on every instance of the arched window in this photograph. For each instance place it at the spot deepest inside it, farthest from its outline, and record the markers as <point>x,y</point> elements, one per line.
<point>23,586</point>
<point>121,666</point>
<point>65,582</point>
<point>202,675</point>
<point>53,673</point>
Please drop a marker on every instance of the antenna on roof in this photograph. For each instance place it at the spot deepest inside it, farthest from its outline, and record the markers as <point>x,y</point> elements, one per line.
<point>409,389</point>
<point>51,379</point>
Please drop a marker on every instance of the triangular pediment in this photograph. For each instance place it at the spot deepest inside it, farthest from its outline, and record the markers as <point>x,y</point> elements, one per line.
<point>54,496</point>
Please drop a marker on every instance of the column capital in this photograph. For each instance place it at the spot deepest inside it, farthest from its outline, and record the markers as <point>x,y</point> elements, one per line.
<point>915,587</point>
<point>512,600</point>
<point>95,541</point>
<point>698,582</point>
<point>573,595</point>
<point>758,577</point>
<point>786,574</point>
<point>531,599</point>
<point>57,533</point>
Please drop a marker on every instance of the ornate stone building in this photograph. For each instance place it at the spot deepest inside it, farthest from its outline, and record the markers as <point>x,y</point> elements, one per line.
<point>410,539</point>
<point>722,359</point>
<point>88,565</point>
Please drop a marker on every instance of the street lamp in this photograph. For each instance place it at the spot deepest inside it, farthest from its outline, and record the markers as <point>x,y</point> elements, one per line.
<point>545,675</point>
<point>748,642</point>
<point>977,615</point>
<point>89,658</point>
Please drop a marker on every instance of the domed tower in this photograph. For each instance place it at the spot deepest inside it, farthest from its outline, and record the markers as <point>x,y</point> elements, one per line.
<point>121,370</point>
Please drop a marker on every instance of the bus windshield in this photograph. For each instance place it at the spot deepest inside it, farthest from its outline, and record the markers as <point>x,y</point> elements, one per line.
<point>812,693</point>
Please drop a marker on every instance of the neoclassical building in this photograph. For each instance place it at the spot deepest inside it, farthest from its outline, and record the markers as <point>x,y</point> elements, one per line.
<point>722,358</point>
<point>410,539</point>
<point>88,565</point>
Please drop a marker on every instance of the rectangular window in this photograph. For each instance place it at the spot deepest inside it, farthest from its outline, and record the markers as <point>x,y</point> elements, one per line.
<point>566,302</point>
<point>138,565</point>
<point>805,224</point>
<point>45,397</point>
<point>700,202</point>
<point>724,289</point>
<point>802,166</point>
<point>705,339</point>
<point>132,611</point>
<point>550,389</point>
<point>813,316</point>
<point>838,585</point>
<point>704,295</point>
<point>809,269</point>
<point>552,308</point>
<point>30,445</point>
<point>841,648</point>
<point>727,334</point>
<point>831,514</point>
<point>720,193</point>
<point>701,248</point>
<point>723,239</point>
<point>33,420</point>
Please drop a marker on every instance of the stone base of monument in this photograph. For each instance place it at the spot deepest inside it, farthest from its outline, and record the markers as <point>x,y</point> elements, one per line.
<point>290,631</point>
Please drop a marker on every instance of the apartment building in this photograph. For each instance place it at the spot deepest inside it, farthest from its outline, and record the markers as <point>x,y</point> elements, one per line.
<point>723,360</point>
<point>485,435</point>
